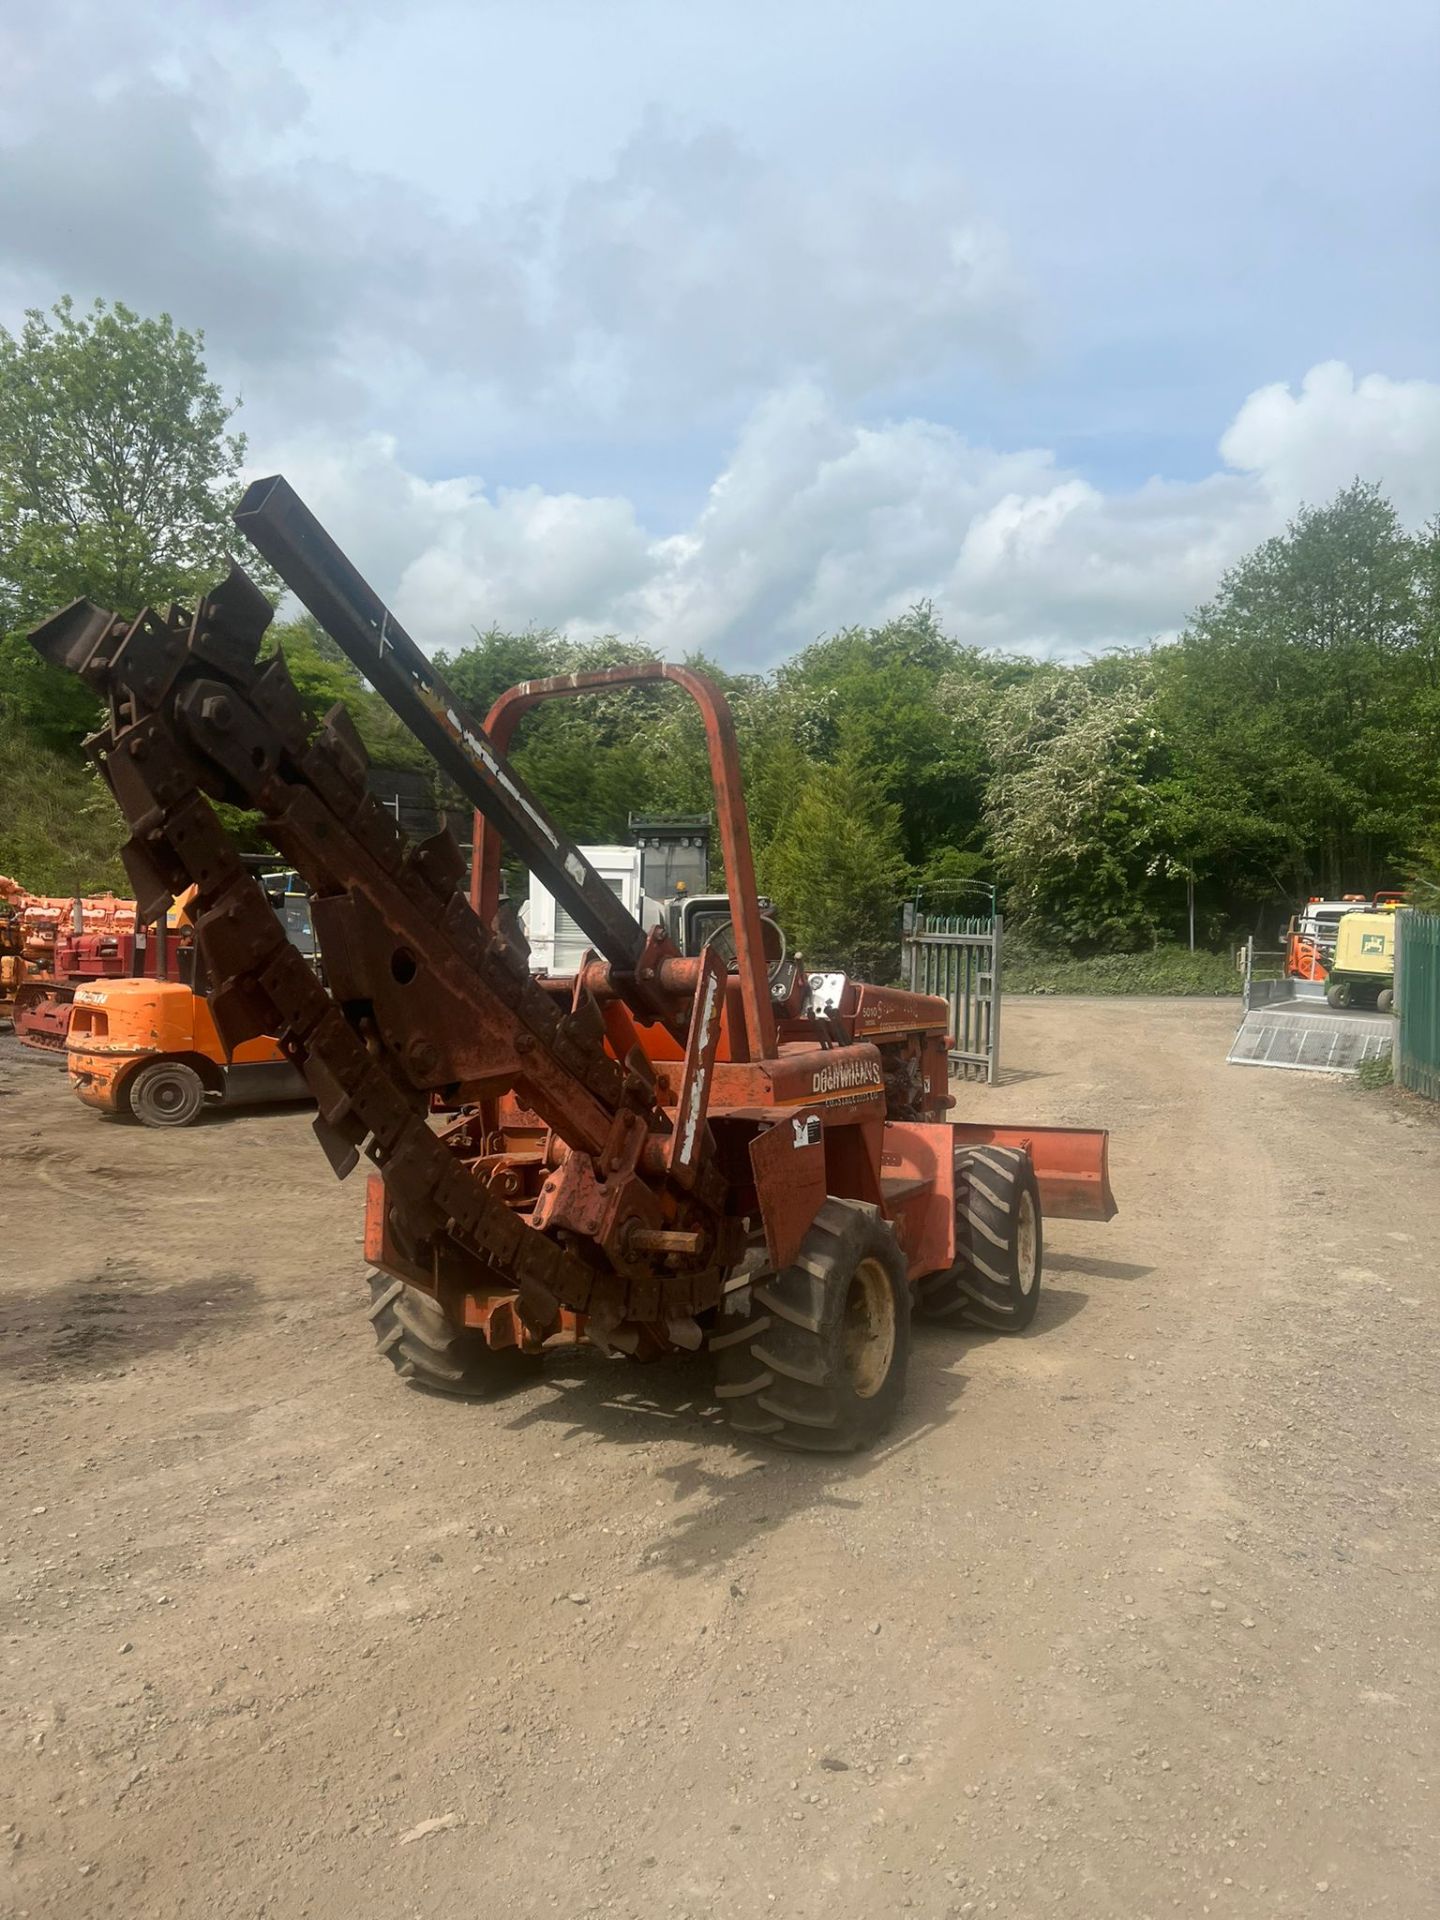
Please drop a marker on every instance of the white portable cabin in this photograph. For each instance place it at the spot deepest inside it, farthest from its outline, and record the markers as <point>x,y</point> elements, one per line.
<point>557,944</point>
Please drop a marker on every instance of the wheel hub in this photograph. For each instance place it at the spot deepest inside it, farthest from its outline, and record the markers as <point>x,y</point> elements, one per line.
<point>869,1329</point>
<point>1027,1265</point>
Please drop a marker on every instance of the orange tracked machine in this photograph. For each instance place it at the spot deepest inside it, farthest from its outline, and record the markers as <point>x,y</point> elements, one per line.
<point>651,1152</point>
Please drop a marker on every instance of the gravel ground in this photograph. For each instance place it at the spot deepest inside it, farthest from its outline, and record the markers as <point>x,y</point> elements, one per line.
<point>1133,1616</point>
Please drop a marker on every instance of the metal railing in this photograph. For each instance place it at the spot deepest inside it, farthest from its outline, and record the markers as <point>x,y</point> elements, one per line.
<point>1263,975</point>
<point>957,956</point>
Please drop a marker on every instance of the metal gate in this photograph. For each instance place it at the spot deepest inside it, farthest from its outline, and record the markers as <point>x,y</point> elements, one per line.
<point>958,957</point>
<point>1417,1002</point>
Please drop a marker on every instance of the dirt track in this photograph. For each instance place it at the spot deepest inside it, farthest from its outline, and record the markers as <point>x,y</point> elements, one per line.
<point>1134,1616</point>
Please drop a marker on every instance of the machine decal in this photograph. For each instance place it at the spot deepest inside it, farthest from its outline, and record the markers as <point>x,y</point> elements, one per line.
<point>847,1073</point>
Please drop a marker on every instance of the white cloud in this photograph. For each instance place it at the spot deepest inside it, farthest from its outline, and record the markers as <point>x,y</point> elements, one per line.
<point>818,521</point>
<point>679,279</point>
<point>700,257</point>
<point>791,255</point>
<point>1307,445</point>
<point>452,555</point>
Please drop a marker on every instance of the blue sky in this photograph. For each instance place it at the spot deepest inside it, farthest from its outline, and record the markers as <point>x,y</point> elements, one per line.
<point>726,324</point>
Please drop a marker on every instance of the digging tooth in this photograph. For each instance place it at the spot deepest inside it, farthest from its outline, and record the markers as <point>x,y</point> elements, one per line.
<point>81,638</point>
<point>440,861</point>
<point>274,695</point>
<point>338,732</point>
<point>230,623</point>
<point>338,1150</point>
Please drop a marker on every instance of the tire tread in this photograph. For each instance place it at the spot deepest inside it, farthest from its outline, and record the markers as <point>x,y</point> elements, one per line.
<point>776,1347</point>
<point>978,1287</point>
<point>426,1350</point>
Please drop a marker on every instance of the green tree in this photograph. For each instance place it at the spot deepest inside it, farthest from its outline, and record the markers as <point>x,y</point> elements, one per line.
<point>117,473</point>
<point>1072,806</point>
<point>950,881</point>
<point>598,757</point>
<point>1301,707</point>
<point>117,477</point>
<point>495,661</point>
<point>837,870</point>
<point>879,689</point>
<point>1422,872</point>
<point>775,770</point>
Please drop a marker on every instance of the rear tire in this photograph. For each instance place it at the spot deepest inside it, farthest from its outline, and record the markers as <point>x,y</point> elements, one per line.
<point>429,1351</point>
<point>999,1244</point>
<point>166,1093</point>
<point>1385,1000</point>
<point>814,1357</point>
<point>1338,995</point>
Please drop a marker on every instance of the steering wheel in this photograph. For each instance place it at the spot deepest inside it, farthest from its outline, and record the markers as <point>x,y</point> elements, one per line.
<point>724,943</point>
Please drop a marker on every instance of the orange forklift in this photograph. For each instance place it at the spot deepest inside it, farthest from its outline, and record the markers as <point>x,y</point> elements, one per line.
<point>148,1049</point>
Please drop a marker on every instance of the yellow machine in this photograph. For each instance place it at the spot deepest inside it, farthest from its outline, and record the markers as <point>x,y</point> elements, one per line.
<point>148,1048</point>
<point>1362,973</point>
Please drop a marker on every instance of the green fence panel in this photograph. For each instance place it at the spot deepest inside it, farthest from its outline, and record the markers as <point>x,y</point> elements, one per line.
<point>1417,1002</point>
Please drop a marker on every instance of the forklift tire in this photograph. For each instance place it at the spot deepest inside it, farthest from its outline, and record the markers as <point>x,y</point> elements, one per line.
<point>166,1093</point>
<point>1385,1000</point>
<point>814,1357</point>
<point>999,1245</point>
<point>429,1351</point>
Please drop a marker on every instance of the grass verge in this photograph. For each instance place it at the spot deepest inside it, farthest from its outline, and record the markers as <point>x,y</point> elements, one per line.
<point>1165,970</point>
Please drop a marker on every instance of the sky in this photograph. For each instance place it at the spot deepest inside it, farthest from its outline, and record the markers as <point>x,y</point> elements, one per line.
<point>726,325</point>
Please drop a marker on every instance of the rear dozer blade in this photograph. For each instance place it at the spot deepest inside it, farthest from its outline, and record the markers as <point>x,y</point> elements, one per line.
<point>1072,1165</point>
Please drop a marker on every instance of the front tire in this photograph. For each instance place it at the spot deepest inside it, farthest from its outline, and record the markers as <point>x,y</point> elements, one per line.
<point>427,1349</point>
<point>1385,1000</point>
<point>999,1244</point>
<point>1338,994</point>
<point>166,1093</point>
<point>814,1357</point>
